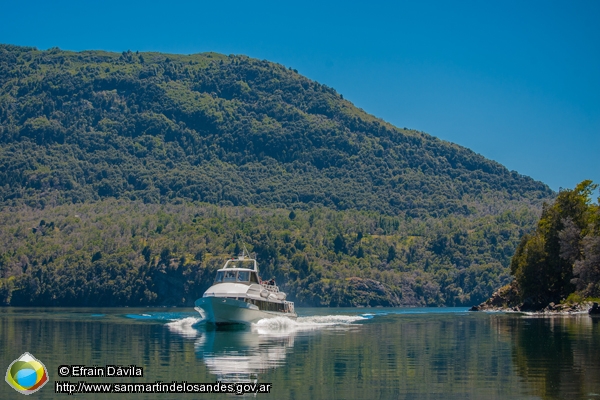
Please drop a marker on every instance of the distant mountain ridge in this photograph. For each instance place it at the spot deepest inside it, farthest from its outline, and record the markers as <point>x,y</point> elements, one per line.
<point>227,130</point>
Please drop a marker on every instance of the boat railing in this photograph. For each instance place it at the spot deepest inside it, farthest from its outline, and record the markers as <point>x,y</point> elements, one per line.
<point>268,287</point>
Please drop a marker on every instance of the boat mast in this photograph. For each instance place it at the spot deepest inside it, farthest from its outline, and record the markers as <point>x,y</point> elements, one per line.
<point>245,250</point>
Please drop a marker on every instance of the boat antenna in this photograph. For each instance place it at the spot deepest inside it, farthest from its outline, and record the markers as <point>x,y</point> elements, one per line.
<point>245,250</point>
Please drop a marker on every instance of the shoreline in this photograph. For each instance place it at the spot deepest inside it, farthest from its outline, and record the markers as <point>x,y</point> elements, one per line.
<point>585,308</point>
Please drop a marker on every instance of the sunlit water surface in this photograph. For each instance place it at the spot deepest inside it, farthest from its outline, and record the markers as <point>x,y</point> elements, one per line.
<point>397,353</point>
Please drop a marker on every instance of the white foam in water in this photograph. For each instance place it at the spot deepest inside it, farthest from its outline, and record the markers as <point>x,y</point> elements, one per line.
<point>306,323</point>
<point>184,326</point>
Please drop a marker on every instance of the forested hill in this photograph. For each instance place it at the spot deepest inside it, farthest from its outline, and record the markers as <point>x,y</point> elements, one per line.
<point>227,130</point>
<point>126,179</point>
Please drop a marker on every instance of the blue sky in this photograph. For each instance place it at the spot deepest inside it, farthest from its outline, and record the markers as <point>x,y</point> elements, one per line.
<point>516,81</point>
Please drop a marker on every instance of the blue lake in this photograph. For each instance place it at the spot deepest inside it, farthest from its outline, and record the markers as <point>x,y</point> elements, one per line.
<point>382,353</point>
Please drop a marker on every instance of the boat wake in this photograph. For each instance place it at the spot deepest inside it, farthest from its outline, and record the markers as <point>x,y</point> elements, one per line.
<point>284,324</point>
<point>192,327</point>
<point>189,327</point>
<point>185,326</point>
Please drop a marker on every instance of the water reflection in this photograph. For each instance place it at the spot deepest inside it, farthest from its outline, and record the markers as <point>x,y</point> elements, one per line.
<point>240,353</point>
<point>557,356</point>
<point>325,354</point>
<point>232,355</point>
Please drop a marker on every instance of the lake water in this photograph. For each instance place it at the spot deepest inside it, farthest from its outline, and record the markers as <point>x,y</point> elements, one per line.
<point>398,353</point>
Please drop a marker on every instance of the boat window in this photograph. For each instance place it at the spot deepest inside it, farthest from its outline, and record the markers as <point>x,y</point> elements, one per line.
<point>243,276</point>
<point>219,277</point>
<point>230,276</point>
<point>253,278</point>
<point>240,264</point>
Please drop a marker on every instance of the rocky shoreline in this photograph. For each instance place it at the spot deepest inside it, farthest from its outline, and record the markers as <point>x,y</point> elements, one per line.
<point>551,309</point>
<point>507,299</point>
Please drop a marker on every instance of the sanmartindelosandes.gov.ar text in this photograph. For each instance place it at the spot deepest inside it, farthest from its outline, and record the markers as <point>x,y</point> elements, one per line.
<point>161,387</point>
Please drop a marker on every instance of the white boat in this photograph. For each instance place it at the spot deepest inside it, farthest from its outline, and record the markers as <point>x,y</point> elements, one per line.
<point>238,296</point>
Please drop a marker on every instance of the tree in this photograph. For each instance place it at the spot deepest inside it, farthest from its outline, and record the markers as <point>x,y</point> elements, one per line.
<point>339,244</point>
<point>391,253</point>
<point>545,261</point>
<point>587,270</point>
<point>360,253</point>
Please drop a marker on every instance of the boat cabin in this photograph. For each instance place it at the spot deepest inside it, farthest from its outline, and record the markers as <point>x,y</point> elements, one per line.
<point>242,270</point>
<point>241,276</point>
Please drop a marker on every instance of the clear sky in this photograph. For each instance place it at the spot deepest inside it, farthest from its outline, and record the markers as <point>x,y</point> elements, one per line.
<point>516,81</point>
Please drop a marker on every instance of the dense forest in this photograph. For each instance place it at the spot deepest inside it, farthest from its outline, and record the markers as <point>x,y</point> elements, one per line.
<point>79,127</point>
<point>126,178</point>
<point>560,260</point>
<point>117,252</point>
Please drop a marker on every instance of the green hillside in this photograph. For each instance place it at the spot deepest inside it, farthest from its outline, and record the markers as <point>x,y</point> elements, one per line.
<point>83,129</point>
<point>225,130</point>
<point>119,252</point>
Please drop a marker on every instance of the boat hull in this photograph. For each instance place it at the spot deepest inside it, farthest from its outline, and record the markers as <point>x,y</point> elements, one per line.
<point>223,311</point>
